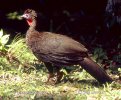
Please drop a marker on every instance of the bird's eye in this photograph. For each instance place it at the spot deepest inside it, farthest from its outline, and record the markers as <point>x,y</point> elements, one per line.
<point>27,16</point>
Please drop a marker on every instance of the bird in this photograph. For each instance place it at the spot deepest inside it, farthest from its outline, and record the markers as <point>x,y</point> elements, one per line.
<point>57,50</point>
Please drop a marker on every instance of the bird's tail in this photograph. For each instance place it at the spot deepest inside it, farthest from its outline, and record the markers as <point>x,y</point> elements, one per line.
<point>95,70</point>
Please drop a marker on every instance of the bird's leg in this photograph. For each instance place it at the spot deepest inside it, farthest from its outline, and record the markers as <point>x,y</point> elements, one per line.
<point>59,74</point>
<point>51,76</point>
<point>55,75</point>
<point>50,69</point>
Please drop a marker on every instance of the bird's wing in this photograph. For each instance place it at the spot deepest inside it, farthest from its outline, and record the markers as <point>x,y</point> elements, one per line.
<point>56,43</point>
<point>60,49</point>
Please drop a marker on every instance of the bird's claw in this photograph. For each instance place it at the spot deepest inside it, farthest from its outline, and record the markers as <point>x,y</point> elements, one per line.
<point>54,78</point>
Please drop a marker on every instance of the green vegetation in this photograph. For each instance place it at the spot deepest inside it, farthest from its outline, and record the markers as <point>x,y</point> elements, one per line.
<point>13,16</point>
<point>22,77</point>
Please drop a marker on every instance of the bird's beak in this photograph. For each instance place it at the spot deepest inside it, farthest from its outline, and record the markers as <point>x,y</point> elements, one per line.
<point>23,16</point>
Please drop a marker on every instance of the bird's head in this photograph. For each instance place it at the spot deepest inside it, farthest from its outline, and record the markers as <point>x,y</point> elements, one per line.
<point>30,15</point>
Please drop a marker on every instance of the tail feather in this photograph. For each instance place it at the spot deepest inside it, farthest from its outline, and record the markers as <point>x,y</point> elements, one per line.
<point>95,70</point>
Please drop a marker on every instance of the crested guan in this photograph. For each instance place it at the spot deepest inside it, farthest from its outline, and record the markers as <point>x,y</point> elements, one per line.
<point>57,50</point>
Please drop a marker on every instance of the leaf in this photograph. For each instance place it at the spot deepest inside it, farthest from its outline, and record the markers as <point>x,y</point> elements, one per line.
<point>119,69</point>
<point>119,45</point>
<point>5,39</point>
<point>1,33</point>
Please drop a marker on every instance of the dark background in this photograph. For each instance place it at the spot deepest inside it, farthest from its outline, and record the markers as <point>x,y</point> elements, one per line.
<point>96,23</point>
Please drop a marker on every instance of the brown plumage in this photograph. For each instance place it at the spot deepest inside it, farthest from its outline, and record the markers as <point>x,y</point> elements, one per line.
<point>58,50</point>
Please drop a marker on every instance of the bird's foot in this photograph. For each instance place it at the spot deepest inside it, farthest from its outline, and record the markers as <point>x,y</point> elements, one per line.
<point>59,76</point>
<point>54,78</point>
<point>51,79</point>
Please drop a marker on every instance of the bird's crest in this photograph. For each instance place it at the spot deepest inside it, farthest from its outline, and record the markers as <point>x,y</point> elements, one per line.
<point>30,11</point>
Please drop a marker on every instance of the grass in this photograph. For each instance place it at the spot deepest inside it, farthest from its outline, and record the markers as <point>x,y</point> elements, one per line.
<point>22,77</point>
<point>22,86</point>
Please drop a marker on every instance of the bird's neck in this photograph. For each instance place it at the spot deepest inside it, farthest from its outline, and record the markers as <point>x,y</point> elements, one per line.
<point>32,24</point>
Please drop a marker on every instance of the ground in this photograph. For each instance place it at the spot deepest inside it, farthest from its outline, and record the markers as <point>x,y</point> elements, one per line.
<point>17,85</point>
